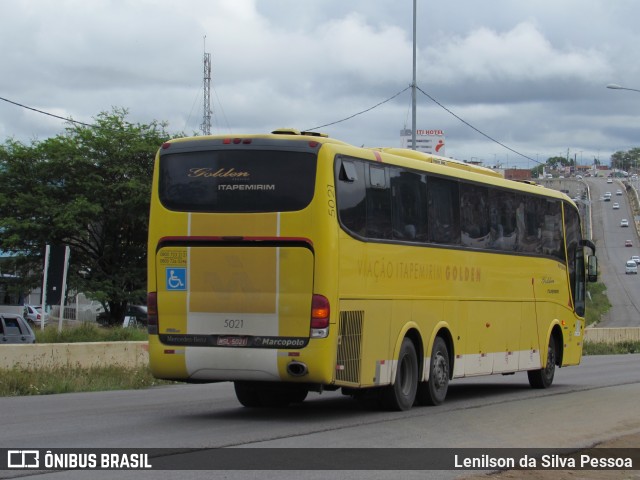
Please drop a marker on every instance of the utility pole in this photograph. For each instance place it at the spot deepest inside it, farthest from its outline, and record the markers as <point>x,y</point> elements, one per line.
<point>413,84</point>
<point>206,115</point>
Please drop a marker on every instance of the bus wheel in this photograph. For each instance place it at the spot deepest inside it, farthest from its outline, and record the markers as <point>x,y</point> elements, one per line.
<point>434,391</point>
<point>401,395</point>
<point>281,395</point>
<point>543,378</point>
<point>247,394</point>
<point>297,394</point>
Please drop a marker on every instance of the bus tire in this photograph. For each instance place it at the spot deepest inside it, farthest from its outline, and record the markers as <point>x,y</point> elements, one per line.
<point>434,391</point>
<point>401,395</point>
<point>543,377</point>
<point>298,394</point>
<point>247,394</point>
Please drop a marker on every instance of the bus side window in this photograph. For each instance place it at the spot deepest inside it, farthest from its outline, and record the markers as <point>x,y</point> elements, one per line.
<point>444,211</point>
<point>409,213</point>
<point>502,220</point>
<point>351,195</point>
<point>474,216</point>
<point>378,204</point>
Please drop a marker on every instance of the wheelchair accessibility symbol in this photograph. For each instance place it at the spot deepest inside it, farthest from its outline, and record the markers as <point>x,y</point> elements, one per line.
<point>176,278</point>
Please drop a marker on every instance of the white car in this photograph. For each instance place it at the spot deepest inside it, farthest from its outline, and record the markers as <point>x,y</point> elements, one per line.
<point>631,267</point>
<point>636,259</point>
<point>609,180</point>
<point>624,222</point>
<point>618,192</point>
<point>33,315</point>
<point>616,206</point>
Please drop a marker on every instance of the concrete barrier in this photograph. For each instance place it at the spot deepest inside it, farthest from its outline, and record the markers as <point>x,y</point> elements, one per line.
<point>74,355</point>
<point>612,334</point>
<point>135,354</point>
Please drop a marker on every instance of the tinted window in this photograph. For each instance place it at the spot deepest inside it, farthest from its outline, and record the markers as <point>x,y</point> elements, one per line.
<point>12,327</point>
<point>551,231</point>
<point>409,204</point>
<point>378,203</point>
<point>382,202</point>
<point>443,211</point>
<point>575,258</point>
<point>474,216</point>
<point>502,220</point>
<point>351,195</point>
<point>237,180</point>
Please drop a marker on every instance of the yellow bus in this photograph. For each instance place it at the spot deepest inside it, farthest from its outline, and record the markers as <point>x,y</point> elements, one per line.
<point>291,262</point>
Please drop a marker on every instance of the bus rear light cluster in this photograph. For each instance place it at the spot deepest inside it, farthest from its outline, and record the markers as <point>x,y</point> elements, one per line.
<point>152,312</point>
<point>236,141</point>
<point>320,315</point>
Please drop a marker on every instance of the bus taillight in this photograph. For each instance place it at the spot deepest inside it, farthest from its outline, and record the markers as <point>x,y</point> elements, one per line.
<point>152,313</point>
<point>320,314</point>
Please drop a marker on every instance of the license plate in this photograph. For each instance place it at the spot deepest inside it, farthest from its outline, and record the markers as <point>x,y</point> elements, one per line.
<point>232,341</point>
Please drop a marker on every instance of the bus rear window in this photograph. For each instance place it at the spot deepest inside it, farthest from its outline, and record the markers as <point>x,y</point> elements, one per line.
<point>237,180</point>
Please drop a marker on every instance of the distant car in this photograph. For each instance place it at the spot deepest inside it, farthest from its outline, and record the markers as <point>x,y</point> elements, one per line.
<point>628,243</point>
<point>616,206</point>
<point>636,259</point>
<point>135,315</point>
<point>631,267</point>
<point>139,315</point>
<point>609,180</point>
<point>579,177</point>
<point>15,329</point>
<point>33,314</point>
<point>618,192</point>
<point>607,196</point>
<point>624,222</point>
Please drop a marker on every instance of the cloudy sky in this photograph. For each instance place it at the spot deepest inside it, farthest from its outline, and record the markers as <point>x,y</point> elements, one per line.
<point>515,81</point>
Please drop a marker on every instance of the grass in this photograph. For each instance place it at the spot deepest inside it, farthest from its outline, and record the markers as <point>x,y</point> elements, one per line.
<point>597,302</point>
<point>89,332</point>
<point>602,348</point>
<point>19,381</point>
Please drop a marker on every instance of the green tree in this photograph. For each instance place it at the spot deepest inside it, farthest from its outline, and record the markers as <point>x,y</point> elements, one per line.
<point>627,161</point>
<point>536,172</point>
<point>88,188</point>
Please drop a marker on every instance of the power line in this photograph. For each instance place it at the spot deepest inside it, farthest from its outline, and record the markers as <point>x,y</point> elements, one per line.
<point>46,113</point>
<point>474,128</point>
<point>327,124</point>
<point>359,113</point>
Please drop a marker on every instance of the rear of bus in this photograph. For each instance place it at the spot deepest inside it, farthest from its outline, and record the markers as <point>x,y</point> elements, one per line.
<point>237,225</point>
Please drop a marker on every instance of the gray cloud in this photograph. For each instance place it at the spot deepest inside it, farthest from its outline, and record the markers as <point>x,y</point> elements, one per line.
<point>529,74</point>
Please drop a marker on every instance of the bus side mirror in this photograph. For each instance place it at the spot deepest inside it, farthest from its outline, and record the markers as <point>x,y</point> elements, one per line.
<point>592,269</point>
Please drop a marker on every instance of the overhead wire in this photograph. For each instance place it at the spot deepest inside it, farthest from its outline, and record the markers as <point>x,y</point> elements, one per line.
<point>474,128</point>
<point>326,124</point>
<point>359,113</point>
<point>47,113</point>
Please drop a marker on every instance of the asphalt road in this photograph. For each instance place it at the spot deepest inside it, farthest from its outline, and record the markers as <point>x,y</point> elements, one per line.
<point>623,290</point>
<point>587,404</point>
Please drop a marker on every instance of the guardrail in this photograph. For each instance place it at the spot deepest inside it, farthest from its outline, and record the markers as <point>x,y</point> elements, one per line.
<point>135,354</point>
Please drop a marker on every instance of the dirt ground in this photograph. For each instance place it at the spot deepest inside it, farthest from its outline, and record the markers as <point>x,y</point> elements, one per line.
<point>628,441</point>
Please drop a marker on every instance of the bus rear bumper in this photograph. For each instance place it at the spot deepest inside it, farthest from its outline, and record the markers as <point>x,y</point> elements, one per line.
<point>202,364</point>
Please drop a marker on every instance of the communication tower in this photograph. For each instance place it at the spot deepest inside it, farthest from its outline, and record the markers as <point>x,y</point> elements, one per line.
<point>206,116</point>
